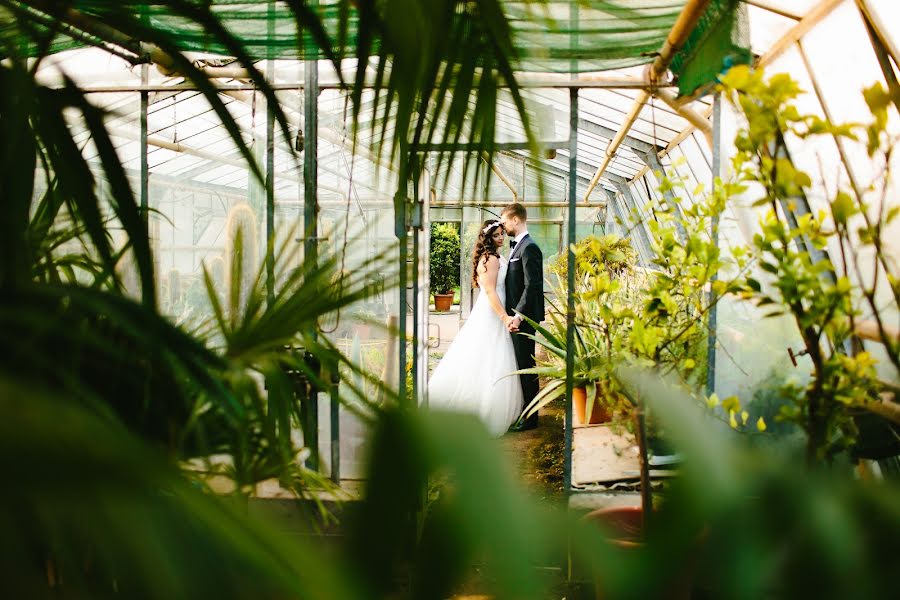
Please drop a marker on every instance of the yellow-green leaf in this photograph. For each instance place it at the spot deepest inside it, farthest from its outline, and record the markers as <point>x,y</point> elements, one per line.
<point>842,208</point>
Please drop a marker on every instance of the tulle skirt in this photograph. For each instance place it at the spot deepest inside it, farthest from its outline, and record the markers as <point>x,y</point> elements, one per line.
<point>475,375</point>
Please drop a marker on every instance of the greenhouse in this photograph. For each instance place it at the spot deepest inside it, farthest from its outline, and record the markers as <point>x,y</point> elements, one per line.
<point>485,299</point>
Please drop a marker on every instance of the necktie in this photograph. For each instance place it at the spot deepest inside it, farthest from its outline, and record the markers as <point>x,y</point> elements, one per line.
<point>512,244</point>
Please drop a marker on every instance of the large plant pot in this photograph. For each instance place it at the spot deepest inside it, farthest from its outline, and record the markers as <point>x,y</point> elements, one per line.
<point>599,414</point>
<point>625,526</point>
<point>443,302</point>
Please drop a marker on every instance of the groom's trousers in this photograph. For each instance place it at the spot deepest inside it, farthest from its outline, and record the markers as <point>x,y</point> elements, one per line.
<point>524,348</point>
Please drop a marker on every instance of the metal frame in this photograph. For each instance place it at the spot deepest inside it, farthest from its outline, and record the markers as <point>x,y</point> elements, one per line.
<point>714,236</point>
<point>651,154</point>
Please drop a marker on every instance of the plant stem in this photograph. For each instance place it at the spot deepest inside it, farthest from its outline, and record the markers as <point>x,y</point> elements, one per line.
<point>646,492</point>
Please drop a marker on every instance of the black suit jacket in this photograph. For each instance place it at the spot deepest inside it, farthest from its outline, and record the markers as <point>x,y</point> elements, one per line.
<point>525,281</point>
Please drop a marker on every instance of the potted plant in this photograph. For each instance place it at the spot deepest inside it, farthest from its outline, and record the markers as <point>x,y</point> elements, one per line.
<point>595,396</point>
<point>444,264</point>
<point>604,268</point>
<point>610,253</point>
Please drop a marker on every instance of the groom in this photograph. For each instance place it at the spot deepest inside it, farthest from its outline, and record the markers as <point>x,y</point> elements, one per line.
<point>524,295</point>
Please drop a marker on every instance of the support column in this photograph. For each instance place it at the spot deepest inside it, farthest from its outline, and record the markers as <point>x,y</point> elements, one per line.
<point>400,207</point>
<point>145,181</point>
<point>714,235</point>
<point>612,212</point>
<point>145,104</point>
<point>311,210</point>
<point>270,190</point>
<point>415,224</point>
<point>570,282</point>
<point>422,299</point>
<point>466,294</point>
<point>145,168</point>
<point>310,162</point>
<point>401,230</point>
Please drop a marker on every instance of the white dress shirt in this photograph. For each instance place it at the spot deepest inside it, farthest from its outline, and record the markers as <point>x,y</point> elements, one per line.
<point>518,239</point>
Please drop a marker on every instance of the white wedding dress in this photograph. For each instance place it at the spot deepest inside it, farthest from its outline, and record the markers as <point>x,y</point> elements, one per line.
<point>474,374</point>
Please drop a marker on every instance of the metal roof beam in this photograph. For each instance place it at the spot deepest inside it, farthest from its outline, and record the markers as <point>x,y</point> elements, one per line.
<point>608,133</point>
<point>687,20</point>
<point>812,18</point>
<point>767,6</point>
<point>547,166</point>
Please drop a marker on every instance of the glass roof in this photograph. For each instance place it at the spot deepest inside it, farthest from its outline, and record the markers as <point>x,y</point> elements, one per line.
<point>187,144</point>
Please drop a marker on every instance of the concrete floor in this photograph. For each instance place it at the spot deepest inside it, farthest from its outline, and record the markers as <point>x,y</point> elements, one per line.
<point>443,328</point>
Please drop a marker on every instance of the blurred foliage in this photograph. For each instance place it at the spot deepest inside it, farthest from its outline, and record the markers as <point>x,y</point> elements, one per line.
<point>749,522</point>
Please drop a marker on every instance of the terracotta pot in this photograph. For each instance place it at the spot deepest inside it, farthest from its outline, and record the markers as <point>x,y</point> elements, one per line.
<point>599,414</point>
<point>626,528</point>
<point>626,524</point>
<point>443,302</point>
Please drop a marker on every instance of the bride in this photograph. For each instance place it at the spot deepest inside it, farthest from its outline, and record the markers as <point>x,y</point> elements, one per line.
<point>474,374</point>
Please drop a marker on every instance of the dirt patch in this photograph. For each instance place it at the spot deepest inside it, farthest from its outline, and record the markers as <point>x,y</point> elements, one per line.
<point>538,454</point>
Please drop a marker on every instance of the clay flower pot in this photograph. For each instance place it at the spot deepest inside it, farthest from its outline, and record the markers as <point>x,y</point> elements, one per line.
<point>626,528</point>
<point>599,414</point>
<point>443,302</point>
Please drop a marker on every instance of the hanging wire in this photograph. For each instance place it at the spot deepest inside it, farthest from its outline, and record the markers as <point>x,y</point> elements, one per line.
<point>174,120</point>
<point>253,117</point>
<point>640,219</point>
<point>662,174</point>
<point>350,191</point>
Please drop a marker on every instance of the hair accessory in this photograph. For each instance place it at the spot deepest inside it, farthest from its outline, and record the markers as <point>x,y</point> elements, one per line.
<point>490,226</point>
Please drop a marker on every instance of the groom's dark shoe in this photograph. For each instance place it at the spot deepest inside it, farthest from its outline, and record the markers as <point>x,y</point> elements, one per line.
<point>525,424</point>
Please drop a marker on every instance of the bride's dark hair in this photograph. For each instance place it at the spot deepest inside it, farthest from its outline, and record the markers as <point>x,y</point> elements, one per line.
<point>484,247</point>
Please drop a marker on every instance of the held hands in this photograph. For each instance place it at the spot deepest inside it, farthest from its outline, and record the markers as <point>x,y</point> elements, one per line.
<point>512,323</point>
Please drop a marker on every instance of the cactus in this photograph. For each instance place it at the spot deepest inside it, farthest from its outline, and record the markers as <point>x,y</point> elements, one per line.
<point>216,268</point>
<point>174,291</point>
<point>240,254</point>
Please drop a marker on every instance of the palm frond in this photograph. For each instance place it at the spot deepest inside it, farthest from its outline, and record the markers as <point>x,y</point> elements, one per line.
<point>90,511</point>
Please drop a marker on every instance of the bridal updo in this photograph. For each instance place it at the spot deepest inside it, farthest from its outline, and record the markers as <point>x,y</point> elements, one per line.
<point>484,247</point>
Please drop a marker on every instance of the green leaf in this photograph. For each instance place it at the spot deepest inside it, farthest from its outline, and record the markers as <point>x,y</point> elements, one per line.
<point>842,208</point>
<point>876,97</point>
<point>768,267</point>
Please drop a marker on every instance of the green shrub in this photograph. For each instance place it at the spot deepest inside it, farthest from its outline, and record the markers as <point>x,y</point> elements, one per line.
<point>609,253</point>
<point>444,258</point>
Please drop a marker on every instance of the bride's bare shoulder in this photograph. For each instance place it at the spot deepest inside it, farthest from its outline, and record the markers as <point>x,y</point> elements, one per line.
<point>490,261</point>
